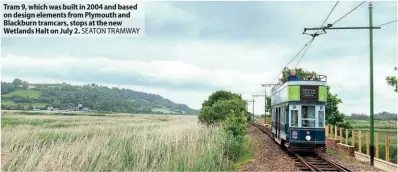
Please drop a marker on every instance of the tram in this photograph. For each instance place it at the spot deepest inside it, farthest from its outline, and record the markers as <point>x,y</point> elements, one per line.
<point>298,111</point>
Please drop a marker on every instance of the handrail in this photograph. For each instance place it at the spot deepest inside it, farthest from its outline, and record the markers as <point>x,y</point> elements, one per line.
<point>322,78</point>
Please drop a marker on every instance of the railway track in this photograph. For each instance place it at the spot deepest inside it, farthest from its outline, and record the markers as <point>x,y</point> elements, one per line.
<point>308,161</point>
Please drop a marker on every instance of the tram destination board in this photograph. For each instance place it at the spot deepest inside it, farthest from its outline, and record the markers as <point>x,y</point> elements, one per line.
<point>308,93</point>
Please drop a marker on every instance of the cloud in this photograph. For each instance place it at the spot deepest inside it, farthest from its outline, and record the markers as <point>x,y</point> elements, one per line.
<point>192,49</point>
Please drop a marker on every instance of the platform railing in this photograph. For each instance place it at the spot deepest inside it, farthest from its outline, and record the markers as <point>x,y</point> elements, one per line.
<point>322,78</point>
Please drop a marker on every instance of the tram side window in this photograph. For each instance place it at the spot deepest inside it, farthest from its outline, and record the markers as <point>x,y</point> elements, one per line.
<point>321,117</point>
<point>273,114</point>
<point>294,118</point>
<point>282,115</point>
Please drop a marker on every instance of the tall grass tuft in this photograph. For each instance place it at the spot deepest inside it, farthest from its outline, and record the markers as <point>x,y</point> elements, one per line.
<point>164,146</point>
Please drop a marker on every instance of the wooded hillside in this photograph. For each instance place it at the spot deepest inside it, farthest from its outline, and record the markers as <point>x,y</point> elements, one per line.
<point>20,94</point>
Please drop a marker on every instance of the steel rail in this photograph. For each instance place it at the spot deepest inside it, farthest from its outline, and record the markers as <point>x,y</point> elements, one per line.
<point>310,165</point>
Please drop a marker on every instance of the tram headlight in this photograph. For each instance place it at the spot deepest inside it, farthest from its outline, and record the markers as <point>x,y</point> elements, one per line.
<point>294,135</point>
<point>308,138</point>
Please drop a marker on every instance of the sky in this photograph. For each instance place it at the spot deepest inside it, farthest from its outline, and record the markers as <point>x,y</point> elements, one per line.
<point>192,49</point>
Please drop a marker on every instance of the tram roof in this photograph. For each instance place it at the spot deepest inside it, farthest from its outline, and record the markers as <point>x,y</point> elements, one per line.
<point>321,82</point>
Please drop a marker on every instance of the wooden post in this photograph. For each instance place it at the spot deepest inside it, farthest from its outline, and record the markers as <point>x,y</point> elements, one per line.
<point>335,132</point>
<point>341,135</point>
<point>353,139</point>
<point>359,141</point>
<point>346,136</point>
<point>367,143</point>
<point>387,148</point>
<point>377,145</point>
<point>326,131</point>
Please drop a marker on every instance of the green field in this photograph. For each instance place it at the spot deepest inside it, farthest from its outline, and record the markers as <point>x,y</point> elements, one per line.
<point>163,110</point>
<point>23,93</point>
<point>11,103</point>
<point>121,142</point>
<point>383,128</point>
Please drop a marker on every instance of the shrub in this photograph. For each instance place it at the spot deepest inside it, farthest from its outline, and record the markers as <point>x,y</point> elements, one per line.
<point>227,109</point>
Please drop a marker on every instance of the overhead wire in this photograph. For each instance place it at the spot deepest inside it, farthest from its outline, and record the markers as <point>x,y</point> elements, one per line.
<point>328,15</point>
<point>386,23</point>
<point>309,45</point>
<point>348,12</point>
<point>291,60</point>
<point>306,45</point>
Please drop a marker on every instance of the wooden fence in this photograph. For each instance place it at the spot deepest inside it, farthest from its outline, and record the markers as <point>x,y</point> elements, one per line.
<point>382,151</point>
<point>338,134</point>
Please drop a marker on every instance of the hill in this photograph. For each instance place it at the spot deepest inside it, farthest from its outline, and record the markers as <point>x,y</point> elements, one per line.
<point>20,94</point>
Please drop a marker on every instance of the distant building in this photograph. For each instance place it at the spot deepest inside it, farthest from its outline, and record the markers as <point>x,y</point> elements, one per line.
<point>79,106</point>
<point>50,108</point>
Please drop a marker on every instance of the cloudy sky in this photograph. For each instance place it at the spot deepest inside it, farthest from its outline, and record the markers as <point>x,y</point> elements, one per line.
<point>192,49</point>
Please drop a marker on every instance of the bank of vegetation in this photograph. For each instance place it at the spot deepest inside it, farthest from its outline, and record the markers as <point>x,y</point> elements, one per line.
<point>228,111</point>
<point>106,143</point>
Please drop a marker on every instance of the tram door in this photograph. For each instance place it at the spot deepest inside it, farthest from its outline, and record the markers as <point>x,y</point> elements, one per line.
<point>278,122</point>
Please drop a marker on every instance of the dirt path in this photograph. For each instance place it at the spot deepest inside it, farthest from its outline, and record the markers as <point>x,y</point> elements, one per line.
<point>269,156</point>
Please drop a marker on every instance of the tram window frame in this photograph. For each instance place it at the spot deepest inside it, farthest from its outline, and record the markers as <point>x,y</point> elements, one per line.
<point>294,123</point>
<point>282,120</point>
<point>306,122</point>
<point>321,121</point>
<point>273,115</point>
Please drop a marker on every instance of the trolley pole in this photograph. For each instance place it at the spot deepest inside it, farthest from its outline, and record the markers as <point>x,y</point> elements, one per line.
<point>371,27</point>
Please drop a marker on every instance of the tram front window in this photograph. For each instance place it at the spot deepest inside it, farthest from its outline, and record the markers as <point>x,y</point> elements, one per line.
<point>308,116</point>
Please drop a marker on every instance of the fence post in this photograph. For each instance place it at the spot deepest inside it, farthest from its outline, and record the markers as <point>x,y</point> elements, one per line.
<point>387,148</point>
<point>359,141</point>
<point>377,144</point>
<point>353,139</point>
<point>335,132</point>
<point>367,143</point>
<point>326,131</point>
<point>346,136</point>
<point>341,135</point>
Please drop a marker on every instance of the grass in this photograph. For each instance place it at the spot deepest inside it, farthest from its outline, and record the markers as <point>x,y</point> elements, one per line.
<point>164,110</point>
<point>24,93</point>
<point>383,128</point>
<point>111,142</point>
<point>248,152</point>
<point>11,103</point>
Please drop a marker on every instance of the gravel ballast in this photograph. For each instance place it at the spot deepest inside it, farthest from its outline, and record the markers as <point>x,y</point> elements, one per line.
<point>346,161</point>
<point>269,155</point>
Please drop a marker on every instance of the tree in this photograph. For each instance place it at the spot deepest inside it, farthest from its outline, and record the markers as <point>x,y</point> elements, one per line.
<point>299,72</point>
<point>7,88</point>
<point>220,95</point>
<point>17,82</point>
<point>268,104</point>
<point>25,84</point>
<point>229,110</point>
<point>392,81</point>
<point>218,106</point>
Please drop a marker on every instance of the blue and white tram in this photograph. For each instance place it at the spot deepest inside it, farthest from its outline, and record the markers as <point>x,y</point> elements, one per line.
<point>298,114</point>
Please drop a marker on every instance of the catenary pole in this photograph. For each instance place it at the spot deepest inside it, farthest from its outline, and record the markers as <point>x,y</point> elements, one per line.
<point>371,91</point>
<point>371,86</point>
